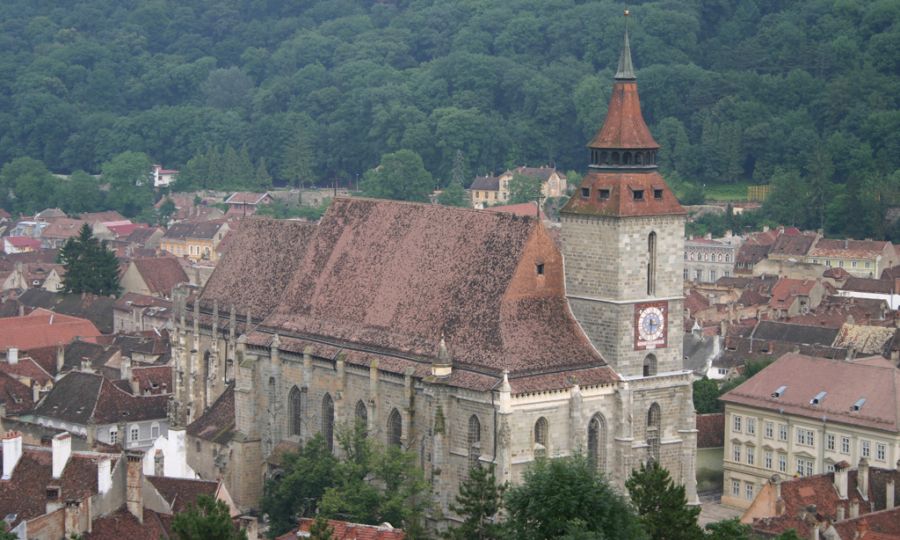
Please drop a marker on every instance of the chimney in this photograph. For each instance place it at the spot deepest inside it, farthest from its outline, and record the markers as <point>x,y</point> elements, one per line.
<point>73,518</point>
<point>854,509</point>
<point>862,478</point>
<point>840,513</point>
<point>12,356</point>
<point>889,493</point>
<point>12,452</point>
<point>60,359</point>
<point>840,478</point>
<point>125,368</point>
<point>35,391</point>
<point>62,450</point>
<point>134,485</point>
<point>104,475</point>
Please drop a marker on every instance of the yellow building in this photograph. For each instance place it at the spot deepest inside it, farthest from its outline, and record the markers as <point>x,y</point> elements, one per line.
<point>196,241</point>
<point>490,190</point>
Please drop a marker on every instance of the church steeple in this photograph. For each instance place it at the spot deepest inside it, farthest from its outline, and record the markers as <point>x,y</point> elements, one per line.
<point>624,141</point>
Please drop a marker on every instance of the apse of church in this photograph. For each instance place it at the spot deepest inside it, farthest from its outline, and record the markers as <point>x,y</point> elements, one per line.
<point>460,335</point>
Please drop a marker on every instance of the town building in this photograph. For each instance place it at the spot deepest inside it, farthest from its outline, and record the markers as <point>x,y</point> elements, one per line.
<point>196,240</point>
<point>246,203</point>
<point>803,415</point>
<point>861,258</point>
<point>491,190</point>
<point>156,276</point>
<point>163,177</point>
<point>708,259</point>
<point>457,334</point>
<point>20,244</point>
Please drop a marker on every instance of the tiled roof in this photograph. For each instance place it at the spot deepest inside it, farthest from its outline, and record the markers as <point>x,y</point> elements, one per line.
<point>750,254</point>
<point>95,354</point>
<point>97,309</point>
<point>121,524</point>
<point>845,383</point>
<point>141,235</point>
<point>14,395</point>
<point>711,430</point>
<point>787,289</point>
<point>792,245</point>
<point>24,242</point>
<point>182,492</point>
<point>160,274</point>
<point>395,277</point>
<point>866,285</point>
<point>694,302</point>
<point>198,230</point>
<point>344,530</point>
<point>27,367</point>
<point>102,217</point>
<point>42,328</point>
<point>131,300</point>
<point>83,398</point>
<point>153,379</point>
<point>524,209</point>
<point>255,273</point>
<point>860,249</point>
<point>486,183</point>
<point>124,230</point>
<point>63,228</point>
<point>866,339</point>
<point>621,197</point>
<point>624,126</point>
<point>217,423</point>
<point>794,333</point>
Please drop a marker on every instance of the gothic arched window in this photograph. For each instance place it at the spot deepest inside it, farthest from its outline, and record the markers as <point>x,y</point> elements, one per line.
<point>596,447</point>
<point>649,365</point>
<point>328,421</point>
<point>395,428</point>
<point>272,396</point>
<point>654,422</point>
<point>615,158</point>
<point>474,440</point>
<point>362,417</point>
<point>651,264</point>
<point>295,411</point>
<point>541,429</point>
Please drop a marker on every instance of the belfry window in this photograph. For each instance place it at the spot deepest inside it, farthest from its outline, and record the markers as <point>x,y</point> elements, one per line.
<point>649,365</point>
<point>651,264</point>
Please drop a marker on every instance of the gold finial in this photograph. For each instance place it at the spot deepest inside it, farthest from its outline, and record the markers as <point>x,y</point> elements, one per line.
<point>627,13</point>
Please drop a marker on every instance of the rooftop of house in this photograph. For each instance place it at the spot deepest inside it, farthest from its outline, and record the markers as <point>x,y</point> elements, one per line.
<point>161,274</point>
<point>344,530</point>
<point>62,229</point>
<point>784,292</point>
<point>852,249</point>
<point>247,198</point>
<point>148,343</point>
<point>15,396</point>
<point>180,493</point>
<point>217,423</point>
<point>87,398</point>
<point>43,328</point>
<point>792,245</point>
<point>153,380</point>
<point>108,216</point>
<point>131,300</point>
<point>794,333</point>
<point>857,393</point>
<point>866,340</point>
<point>24,242</point>
<point>867,285</point>
<point>194,230</point>
<point>97,309</point>
<point>486,183</point>
<point>122,524</point>
<point>26,367</point>
<point>523,209</point>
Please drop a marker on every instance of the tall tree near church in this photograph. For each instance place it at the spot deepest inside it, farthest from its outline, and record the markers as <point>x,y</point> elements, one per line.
<point>262,179</point>
<point>662,505</point>
<point>208,519</point>
<point>478,503</point>
<point>90,267</point>
<point>298,159</point>
<point>523,189</point>
<point>400,176</point>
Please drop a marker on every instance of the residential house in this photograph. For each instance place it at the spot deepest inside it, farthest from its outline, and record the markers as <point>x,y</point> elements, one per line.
<point>490,190</point>
<point>246,203</point>
<point>862,258</point>
<point>195,240</point>
<point>153,276</point>
<point>792,246</point>
<point>55,235</point>
<point>145,237</point>
<point>878,289</point>
<point>803,415</point>
<point>792,297</point>
<point>29,228</point>
<point>27,276</point>
<point>755,248</point>
<point>20,244</point>
<point>43,328</point>
<point>842,504</point>
<point>16,397</point>
<point>163,177</point>
<point>345,530</point>
<point>97,309</point>
<point>134,312</point>
<point>707,259</point>
<point>96,407</point>
<point>28,372</point>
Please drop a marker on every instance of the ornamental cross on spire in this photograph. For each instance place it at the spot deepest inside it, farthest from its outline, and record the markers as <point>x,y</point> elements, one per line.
<point>626,68</point>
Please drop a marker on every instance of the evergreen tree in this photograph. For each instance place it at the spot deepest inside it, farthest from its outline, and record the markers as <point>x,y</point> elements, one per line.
<point>478,503</point>
<point>90,267</point>
<point>231,168</point>
<point>459,172</point>
<point>165,212</point>
<point>215,168</point>
<point>400,176</point>
<point>523,189</point>
<point>662,505</point>
<point>706,396</point>
<point>195,174</point>
<point>298,159</point>
<point>454,195</point>
<point>245,172</point>
<point>208,519</point>
<point>261,179</point>
<point>5,534</point>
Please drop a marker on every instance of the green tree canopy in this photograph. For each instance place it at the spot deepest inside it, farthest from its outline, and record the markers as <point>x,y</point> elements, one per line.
<point>523,188</point>
<point>567,498</point>
<point>90,267</point>
<point>454,195</point>
<point>208,519</point>
<point>478,503</point>
<point>401,176</point>
<point>130,183</point>
<point>662,505</point>
<point>706,396</point>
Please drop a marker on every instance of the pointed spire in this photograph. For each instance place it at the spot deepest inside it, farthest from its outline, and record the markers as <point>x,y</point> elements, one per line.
<point>626,68</point>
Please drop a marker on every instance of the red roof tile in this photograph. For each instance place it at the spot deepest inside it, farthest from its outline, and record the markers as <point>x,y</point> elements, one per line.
<point>153,379</point>
<point>161,274</point>
<point>615,194</point>
<point>121,524</point>
<point>624,126</point>
<point>27,367</point>
<point>182,492</point>
<point>217,423</point>
<point>524,209</point>
<point>42,328</point>
<point>344,530</point>
<point>14,395</point>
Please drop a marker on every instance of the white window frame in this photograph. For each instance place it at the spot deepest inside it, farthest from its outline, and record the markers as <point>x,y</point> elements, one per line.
<point>782,463</point>
<point>735,487</point>
<point>751,455</point>
<point>880,451</point>
<point>845,445</point>
<point>751,426</point>
<point>865,448</point>
<point>736,423</point>
<point>782,432</point>
<point>767,459</point>
<point>829,441</point>
<point>736,453</point>
<point>769,430</point>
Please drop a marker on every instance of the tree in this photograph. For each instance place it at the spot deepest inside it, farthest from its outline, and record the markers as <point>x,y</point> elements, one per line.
<point>454,195</point>
<point>80,193</point>
<point>706,396</point>
<point>478,503</point>
<point>728,529</point>
<point>90,267</point>
<point>308,474</point>
<point>320,530</point>
<point>33,186</point>
<point>298,159</point>
<point>401,176</point>
<point>130,183</point>
<point>165,212</point>
<point>262,179</point>
<point>523,189</point>
<point>208,519</point>
<point>5,534</point>
<point>562,496</point>
<point>662,505</point>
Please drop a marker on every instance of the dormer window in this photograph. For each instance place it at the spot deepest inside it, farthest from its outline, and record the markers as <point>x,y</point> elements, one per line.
<point>657,194</point>
<point>858,405</point>
<point>585,192</point>
<point>603,194</point>
<point>539,269</point>
<point>638,194</point>
<point>817,399</point>
<point>779,392</point>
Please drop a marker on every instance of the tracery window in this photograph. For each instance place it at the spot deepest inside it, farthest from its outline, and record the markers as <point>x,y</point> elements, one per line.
<point>473,440</point>
<point>541,429</point>
<point>395,428</point>
<point>596,447</point>
<point>362,417</point>
<point>654,422</point>
<point>295,411</point>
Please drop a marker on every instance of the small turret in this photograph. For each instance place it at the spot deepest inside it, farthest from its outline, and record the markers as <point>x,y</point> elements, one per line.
<point>442,366</point>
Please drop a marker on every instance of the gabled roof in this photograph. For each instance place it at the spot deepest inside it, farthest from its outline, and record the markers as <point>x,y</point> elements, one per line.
<point>141,235</point>
<point>542,173</point>
<point>845,383</point>
<point>62,228</point>
<point>97,309</point>
<point>866,285</point>
<point>794,333</point>
<point>121,524</point>
<point>217,424</point>
<point>42,328</point>
<point>161,274</point>
<point>153,380</point>
<point>182,492</point>
<point>524,209</point>
<point>24,242</point>
<point>14,395</point>
<point>787,244</point>
<point>103,217</point>
<point>198,230</point>
<point>83,398</point>
<point>860,249</point>
<point>344,530</point>
<point>27,367</point>
<point>787,289</point>
<point>486,183</point>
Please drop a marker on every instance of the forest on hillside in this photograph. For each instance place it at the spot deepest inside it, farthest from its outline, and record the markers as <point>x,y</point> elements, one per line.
<point>802,94</point>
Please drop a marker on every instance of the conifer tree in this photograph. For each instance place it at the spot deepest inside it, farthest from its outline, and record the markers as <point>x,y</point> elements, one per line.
<point>90,267</point>
<point>478,503</point>
<point>662,505</point>
<point>262,179</point>
<point>454,195</point>
<point>298,159</point>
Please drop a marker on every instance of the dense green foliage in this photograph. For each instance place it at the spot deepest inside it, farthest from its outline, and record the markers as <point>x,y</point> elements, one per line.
<point>803,94</point>
<point>208,519</point>
<point>401,175</point>
<point>567,498</point>
<point>90,267</point>
<point>367,484</point>
<point>706,396</point>
<point>662,505</point>
<point>523,188</point>
<point>478,504</point>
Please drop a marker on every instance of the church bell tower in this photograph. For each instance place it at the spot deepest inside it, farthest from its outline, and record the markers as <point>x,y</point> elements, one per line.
<point>623,241</point>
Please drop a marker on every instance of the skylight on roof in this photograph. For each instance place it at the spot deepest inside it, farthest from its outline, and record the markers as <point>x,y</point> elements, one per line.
<point>779,391</point>
<point>858,405</point>
<point>818,398</point>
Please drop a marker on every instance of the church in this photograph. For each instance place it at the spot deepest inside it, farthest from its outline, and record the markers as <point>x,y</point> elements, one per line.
<point>463,336</point>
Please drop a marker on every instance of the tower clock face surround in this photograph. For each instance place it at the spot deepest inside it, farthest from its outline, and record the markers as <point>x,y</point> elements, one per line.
<point>650,325</point>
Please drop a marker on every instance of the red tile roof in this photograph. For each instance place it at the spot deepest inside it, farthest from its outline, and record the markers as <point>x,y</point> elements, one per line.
<point>344,530</point>
<point>859,249</point>
<point>624,126</point>
<point>121,524</point>
<point>102,217</point>
<point>153,379</point>
<point>124,230</point>
<point>27,367</point>
<point>217,423</point>
<point>524,209</point>
<point>62,229</point>
<point>24,242</point>
<point>161,274</point>
<point>622,188</point>
<point>711,430</point>
<point>182,492</point>
<point>84,398</point>
<point>42,328</point>
<point>784,292</point>
<point>845,383</point>
<point>14,395</point>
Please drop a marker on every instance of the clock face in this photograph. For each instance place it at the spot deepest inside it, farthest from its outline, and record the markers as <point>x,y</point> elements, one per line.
<point>650,325</point>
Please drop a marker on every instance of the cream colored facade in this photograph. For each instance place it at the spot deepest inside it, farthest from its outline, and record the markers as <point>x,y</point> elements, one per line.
<point>762,442</point>
<point>554,185</point>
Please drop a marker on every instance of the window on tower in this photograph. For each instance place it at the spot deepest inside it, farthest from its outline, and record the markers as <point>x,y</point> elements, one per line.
<point>638,194</point>
<point>651,264</point>
<point>603,194</point>
<point>657,194</point>
<point>585,192</point>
